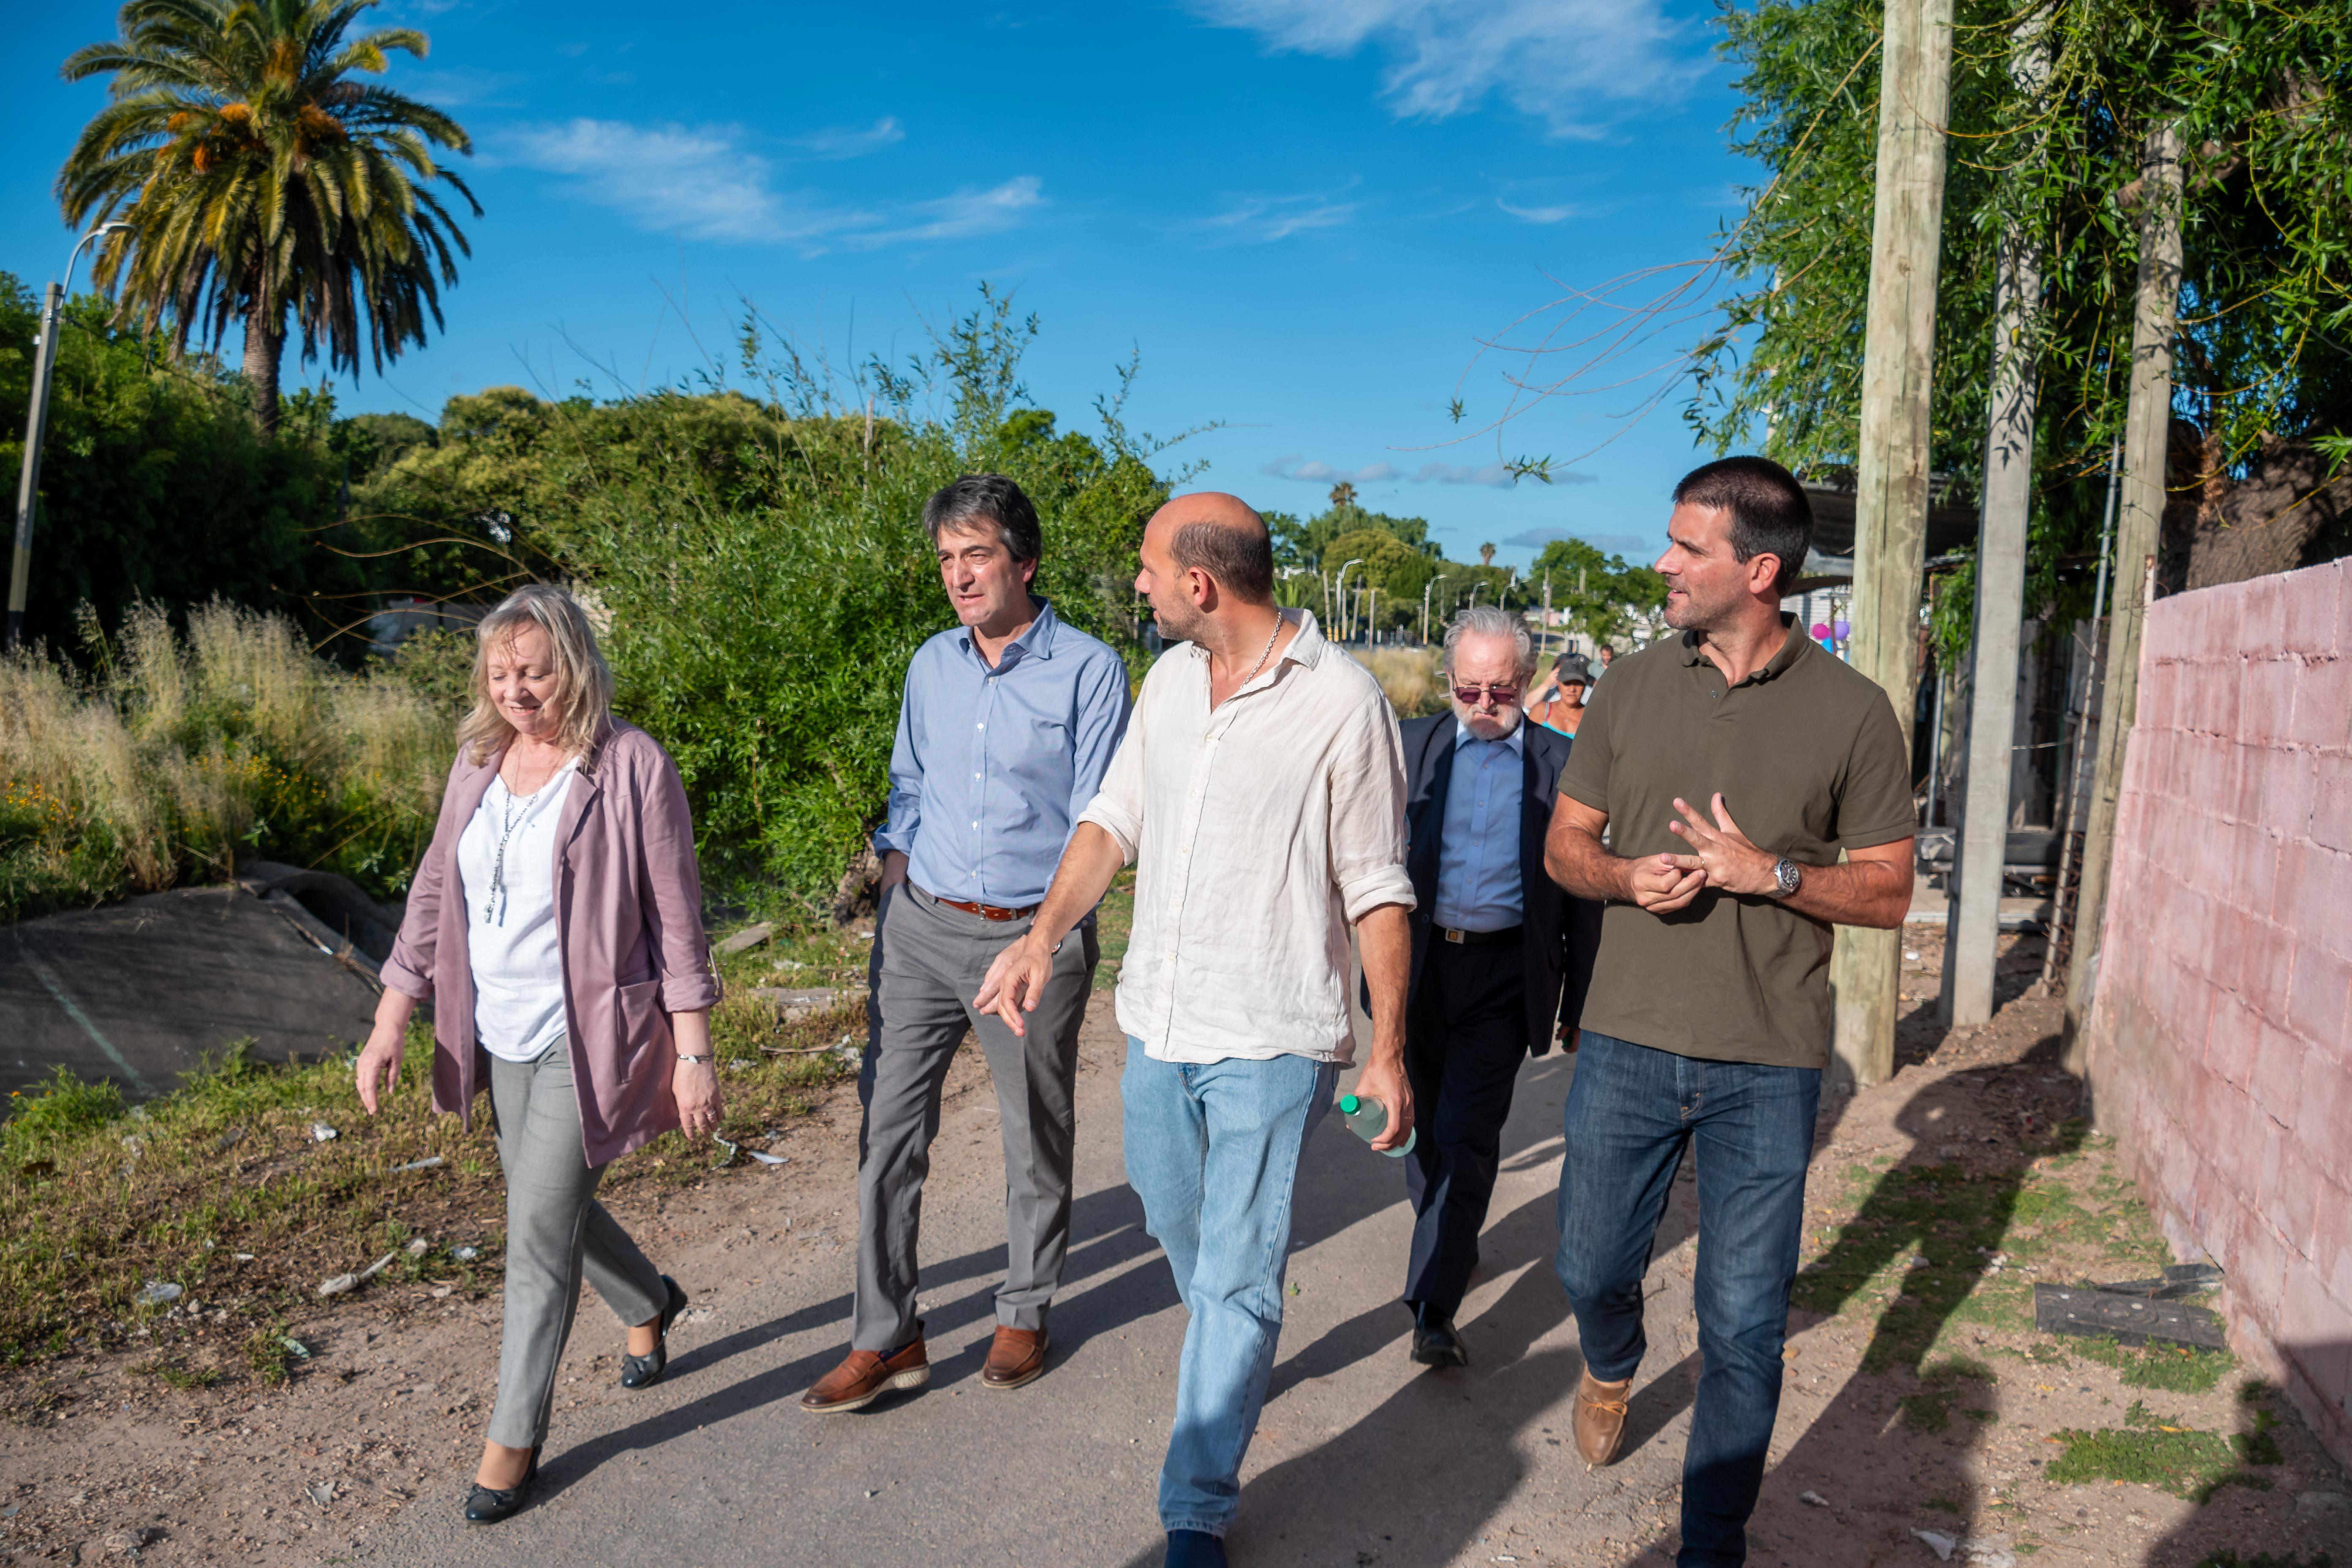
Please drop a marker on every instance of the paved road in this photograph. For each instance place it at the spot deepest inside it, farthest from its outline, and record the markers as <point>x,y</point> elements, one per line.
<point>1362,1457</point>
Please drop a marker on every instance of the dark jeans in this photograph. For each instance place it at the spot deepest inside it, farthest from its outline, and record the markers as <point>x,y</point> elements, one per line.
<point>1632,1113</point>
<point>1465,1037</point>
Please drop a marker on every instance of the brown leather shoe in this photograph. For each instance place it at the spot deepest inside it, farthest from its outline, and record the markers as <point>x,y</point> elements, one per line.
<point>866,1377</point>
<point>1017,1356</point>
<point>1599,1418</point>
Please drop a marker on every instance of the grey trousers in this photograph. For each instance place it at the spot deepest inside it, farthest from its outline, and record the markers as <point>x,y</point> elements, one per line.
<point>555,1228</point>
<point>929,961</point>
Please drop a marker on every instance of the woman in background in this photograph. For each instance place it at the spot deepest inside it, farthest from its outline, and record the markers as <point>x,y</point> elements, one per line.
<point>1558,703</point>
<point>556,925</point>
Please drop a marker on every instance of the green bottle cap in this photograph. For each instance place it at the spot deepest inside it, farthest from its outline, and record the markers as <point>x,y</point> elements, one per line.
<point>1350,1105</point>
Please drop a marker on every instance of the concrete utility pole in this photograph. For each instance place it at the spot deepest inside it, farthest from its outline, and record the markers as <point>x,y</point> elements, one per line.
<point>1891,481</point>
<point>1974,932</point>
<point>2147,432</point>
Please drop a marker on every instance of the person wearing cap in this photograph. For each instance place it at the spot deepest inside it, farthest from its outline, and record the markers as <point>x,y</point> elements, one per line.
<point>1500,958</point>
<point>1007,726</point>
<point>1558,704</point>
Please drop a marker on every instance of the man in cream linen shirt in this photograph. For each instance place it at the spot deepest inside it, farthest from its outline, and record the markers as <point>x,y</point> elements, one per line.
<point>1260,793</point>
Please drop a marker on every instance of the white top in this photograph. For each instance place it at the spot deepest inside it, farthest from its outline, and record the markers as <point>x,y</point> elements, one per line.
<point>1259,833</point>
<point>510,930</point>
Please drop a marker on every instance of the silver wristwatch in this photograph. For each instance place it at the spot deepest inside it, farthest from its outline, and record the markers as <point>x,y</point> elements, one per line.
<point>1789,876</point>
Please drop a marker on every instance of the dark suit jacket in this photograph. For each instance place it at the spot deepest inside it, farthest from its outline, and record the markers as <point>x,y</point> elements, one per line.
<point>1561,933</point>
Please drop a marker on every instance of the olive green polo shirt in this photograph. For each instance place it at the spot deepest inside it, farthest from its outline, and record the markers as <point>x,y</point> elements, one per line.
<point>1810,760</point>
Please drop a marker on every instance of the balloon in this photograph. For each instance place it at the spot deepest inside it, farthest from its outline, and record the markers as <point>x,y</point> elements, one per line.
<point>1843,630</point>
<point>1821,631</point>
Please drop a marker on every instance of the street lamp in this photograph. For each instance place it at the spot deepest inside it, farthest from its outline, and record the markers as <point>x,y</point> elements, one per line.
<point>1425,587</point>
<point>1474,592</point>
<point>37,422</point>
<point>1341,596</point>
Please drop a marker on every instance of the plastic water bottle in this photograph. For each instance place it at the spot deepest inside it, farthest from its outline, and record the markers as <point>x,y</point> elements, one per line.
<point>1368,1118</point>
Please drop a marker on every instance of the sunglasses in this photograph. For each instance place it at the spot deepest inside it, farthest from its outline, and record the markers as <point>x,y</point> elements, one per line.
<point>1471,695</point>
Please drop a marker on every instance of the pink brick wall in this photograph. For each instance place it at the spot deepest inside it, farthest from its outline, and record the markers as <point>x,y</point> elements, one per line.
<point>2221,1038</point>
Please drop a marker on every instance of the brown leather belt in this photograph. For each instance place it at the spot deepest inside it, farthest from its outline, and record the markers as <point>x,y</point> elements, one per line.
<point>989,912</point>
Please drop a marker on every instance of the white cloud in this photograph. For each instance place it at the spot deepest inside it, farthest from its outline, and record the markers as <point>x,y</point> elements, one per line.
<point>1559,213</point>
<point>707,183</point>
<point>962,216</point>
<point>836,142</point>
<point>1261,220</point>
<point>1490,474</point>
<point>1561,61</point>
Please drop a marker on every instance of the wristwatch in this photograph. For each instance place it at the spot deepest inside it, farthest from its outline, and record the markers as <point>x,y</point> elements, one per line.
<point>1789,876</point>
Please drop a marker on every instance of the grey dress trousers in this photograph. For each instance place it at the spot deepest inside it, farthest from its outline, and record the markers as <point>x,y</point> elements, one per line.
<point>555,1230</point>
<point>929,961</point>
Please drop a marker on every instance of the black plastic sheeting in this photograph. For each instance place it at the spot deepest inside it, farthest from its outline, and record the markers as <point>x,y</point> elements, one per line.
<point>145,991</point>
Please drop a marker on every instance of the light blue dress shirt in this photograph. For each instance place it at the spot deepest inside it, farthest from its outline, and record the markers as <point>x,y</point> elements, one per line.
<point>992,767</point>
<point>1478,850</point>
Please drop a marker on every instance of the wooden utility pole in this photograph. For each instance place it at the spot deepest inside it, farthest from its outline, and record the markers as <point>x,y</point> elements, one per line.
<point>1891,481</point>
<point>2147,432</point>
<point>1973,934</point>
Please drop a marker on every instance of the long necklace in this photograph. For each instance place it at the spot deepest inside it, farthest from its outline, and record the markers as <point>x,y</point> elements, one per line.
<point>494,911</point>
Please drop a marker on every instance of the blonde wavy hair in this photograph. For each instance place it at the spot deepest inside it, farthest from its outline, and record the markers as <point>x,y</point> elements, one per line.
<point>583,682</point>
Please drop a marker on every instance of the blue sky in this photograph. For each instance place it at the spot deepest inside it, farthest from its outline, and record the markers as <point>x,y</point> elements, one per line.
<point>1303,215</point>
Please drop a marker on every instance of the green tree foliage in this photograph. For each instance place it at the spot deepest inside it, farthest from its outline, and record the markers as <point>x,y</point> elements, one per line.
<point>154,483</point>
<point>760,563</point>
<point>1596,593</point>
<point>261,177</point>
<point>2259,88</point>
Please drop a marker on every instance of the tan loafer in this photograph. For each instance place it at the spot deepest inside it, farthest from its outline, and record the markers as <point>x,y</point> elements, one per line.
<point>1016,1356</point>
<point>1599,1418</point>
<point>866,1377</point>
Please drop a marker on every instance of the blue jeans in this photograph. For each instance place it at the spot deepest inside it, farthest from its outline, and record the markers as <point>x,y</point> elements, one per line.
<point>1213,1151</point>
<point>1632,1113</point>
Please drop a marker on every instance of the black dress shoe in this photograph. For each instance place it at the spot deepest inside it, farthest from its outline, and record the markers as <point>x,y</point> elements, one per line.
<point>645,1371</point>
<point>1194,1549</point>
<point>1435,1342</point>
<point>488,1505</point>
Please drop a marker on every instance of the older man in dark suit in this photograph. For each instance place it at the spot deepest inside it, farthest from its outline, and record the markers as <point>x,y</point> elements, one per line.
<point>1501,957</point>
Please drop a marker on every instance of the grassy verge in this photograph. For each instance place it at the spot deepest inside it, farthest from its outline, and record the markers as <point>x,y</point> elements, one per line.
<point>201,1223</point>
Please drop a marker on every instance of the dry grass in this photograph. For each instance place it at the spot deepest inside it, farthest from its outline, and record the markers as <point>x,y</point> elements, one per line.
<point>1408,676</point>
<point>186,752</point>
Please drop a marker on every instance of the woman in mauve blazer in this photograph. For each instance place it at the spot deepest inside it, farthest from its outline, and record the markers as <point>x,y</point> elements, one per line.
<point>556,927</point>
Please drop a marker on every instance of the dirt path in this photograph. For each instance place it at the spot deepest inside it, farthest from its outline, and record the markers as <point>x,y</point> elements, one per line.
<point>1919,1399</point>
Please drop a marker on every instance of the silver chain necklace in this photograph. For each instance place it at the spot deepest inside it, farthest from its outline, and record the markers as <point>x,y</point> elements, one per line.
<point>494,911</point>
<point>1266,655</point>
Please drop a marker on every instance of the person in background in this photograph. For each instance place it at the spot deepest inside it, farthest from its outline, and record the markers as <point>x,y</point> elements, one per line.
<point>1558,704</point>
<point>1608,656</point>
<point>1007,721</point>
<point>1707,1024</point>
<point>1261,798</point>
<point>1500,959</point>
<point>556,926</point>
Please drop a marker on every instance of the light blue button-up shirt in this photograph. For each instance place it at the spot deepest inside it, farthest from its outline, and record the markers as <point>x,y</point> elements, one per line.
<point>992,767</point>
<point>1478,846</point>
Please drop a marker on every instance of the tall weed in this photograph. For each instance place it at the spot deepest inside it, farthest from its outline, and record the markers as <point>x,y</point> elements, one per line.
<point>184,752</point>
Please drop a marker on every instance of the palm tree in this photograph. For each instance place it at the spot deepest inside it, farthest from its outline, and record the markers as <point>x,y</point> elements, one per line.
<point>260,179</point>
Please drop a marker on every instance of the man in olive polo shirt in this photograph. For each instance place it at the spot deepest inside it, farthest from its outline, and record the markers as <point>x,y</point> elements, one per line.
<point>1732,766</point>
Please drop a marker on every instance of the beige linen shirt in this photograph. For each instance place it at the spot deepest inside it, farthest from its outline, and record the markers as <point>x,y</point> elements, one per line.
<point>1259,833</point>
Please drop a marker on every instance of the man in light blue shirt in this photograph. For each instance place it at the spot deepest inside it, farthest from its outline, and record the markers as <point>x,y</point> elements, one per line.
<point>1500,961</point>
<point>1007,724</point>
